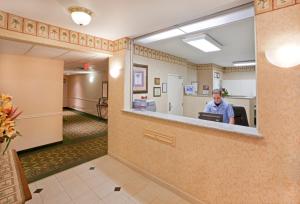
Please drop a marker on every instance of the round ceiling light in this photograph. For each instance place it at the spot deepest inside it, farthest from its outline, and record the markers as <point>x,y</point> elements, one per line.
<point>80,15</point>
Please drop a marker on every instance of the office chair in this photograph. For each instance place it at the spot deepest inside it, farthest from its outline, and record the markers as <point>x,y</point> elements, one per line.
<point>240,116</point>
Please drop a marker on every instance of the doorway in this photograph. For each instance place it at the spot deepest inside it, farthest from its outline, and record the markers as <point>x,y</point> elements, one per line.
<point>175,94</point>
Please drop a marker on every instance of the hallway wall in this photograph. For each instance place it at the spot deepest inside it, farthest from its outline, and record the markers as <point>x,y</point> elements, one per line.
<point>36,85</point>
<point>84,90</point>
<point>215,166</point>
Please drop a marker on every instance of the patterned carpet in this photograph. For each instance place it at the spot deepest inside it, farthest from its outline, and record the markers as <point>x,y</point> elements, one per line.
<point>85,138</point>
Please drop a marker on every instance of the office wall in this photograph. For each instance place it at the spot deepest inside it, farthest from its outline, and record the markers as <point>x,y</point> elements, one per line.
<point>215,166</point>
<point>161,69</point>
<point>84,90</point>
<point>36,85</point>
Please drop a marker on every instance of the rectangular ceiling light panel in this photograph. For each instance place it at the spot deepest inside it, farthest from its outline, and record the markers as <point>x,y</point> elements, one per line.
<point>203,42</point>
<point>161,36</point>
<point>219,20</point>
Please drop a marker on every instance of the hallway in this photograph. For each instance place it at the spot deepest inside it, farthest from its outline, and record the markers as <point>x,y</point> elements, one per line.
<point>85,138</point>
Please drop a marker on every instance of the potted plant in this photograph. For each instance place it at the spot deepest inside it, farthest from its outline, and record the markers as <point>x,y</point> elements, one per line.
<point>8,115</point>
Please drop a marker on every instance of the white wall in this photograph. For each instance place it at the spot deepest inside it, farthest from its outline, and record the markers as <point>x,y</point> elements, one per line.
<point>240,83</point>
<point>36,85</point>
<point>160,69</point>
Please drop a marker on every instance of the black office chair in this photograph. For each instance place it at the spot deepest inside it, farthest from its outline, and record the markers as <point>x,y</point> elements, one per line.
<point>240,116</point>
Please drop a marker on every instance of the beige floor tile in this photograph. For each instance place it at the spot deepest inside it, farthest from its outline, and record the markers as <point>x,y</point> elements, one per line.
<point>147,195</point>
<point>104,189</point>
<point>88,198</point>
<point>61,198</point>
<point>118,198</point>
<point>76,190</point>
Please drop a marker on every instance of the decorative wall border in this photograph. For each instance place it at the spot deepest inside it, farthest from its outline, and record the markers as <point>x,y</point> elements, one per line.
<point>39,29</point>
<point>158,55</point>
<point>263,6</point>
<point>162,56</point>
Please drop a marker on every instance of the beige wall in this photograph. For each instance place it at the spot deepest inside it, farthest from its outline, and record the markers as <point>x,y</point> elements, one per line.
<point>84,90</point>
<point>161,69</point>
<point>218,167</point>
<point>36,85</point>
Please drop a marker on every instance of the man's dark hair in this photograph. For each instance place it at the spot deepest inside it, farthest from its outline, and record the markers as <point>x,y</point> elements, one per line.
<point>217,91</point>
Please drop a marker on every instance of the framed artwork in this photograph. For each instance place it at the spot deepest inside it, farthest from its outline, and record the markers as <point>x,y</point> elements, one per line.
<point>15,23</point>
<point>105,89</point>
<point>156,81</point>
<point>64,35</point>
<point>3,19</point>
<point>73,37</point>
<point>164,87</point>
<point>42,30</point>
<point>156,92</point>
<point>54,33</point>
<point>283,3</point>
<point>140,78</point>
<point>262,6</point>
<point>29,27</point>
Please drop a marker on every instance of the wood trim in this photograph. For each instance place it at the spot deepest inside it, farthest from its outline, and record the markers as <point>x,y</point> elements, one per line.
<point>25,187</point>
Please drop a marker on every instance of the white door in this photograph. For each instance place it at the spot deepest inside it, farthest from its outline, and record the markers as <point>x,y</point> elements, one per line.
<point>175,94</point>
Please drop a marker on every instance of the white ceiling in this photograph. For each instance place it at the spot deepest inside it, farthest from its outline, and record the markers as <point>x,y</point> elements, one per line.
<point>115,19</point>
<point>238,40</point>
<point>72,59</point>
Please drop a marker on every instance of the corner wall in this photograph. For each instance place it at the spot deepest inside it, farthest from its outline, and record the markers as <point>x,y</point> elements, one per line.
<point>217,167</point>
<point>36,85</point>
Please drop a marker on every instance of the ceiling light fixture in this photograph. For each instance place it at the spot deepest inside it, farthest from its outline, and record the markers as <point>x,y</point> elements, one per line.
<point>203,42</point>
<point>244,63</point>
<point>161,36</point>
<point>222,18</point>
<point>219,20</point>
<point>81,16</point>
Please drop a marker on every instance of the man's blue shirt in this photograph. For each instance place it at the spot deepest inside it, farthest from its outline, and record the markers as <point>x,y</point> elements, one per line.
<point>224,108</point>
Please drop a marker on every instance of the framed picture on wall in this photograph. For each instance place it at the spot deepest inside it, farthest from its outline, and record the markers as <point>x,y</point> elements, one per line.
<point>140,78</point>
<point>164,87</point>
<point>156,81</point>
<point>156,91</point>
<point>104,89</point>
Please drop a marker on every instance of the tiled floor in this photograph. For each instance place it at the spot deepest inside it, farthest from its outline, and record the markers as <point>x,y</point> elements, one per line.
<point>95,182</point>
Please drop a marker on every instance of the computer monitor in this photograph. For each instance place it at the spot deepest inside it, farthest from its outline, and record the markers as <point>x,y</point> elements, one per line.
<point>211,116</point>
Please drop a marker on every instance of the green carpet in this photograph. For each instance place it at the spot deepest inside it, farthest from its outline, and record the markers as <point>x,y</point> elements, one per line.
<point>85,138</point>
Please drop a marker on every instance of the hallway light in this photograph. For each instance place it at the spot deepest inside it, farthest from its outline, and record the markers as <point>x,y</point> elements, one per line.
<point>81,16</point>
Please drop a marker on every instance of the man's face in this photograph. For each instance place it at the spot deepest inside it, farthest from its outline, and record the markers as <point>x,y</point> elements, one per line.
<point>217,98</point>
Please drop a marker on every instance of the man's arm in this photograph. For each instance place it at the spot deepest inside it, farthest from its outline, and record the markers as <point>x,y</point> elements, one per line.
<point>231,120</point>
<point>230,113</point>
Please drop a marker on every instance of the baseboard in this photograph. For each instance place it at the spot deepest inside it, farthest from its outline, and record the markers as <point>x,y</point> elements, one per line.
<point>155,179</point>
<point>39,147</point>
<point>86,114</point>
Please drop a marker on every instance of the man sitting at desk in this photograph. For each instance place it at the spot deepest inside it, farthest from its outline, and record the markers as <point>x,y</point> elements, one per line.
<point>219,106</point>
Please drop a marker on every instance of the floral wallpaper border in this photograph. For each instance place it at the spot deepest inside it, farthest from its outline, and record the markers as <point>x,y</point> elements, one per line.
<point>27,26</point>
<point>263,6</point>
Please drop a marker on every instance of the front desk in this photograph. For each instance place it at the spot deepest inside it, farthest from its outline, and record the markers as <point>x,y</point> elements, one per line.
<point>195,104</point>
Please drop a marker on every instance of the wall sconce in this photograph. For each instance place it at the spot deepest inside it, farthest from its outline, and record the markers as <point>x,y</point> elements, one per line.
<point>284,55</point>
<point>91,78</point>
<point>115,71</point>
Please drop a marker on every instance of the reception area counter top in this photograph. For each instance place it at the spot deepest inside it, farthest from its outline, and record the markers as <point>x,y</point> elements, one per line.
<point>245,131</point>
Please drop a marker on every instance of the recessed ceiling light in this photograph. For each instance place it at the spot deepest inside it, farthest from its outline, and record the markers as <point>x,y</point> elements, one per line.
<point>161,36</point>
<point>203,42</point>
<point>81,16</point>
<point>244,63</point>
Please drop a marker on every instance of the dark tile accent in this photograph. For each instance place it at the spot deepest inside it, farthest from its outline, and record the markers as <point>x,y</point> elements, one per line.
<point>92,168</point>
<point>38,190</point>
<point>117,188</point>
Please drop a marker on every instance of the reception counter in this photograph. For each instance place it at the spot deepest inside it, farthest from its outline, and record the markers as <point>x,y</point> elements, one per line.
<point>195,104</point>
